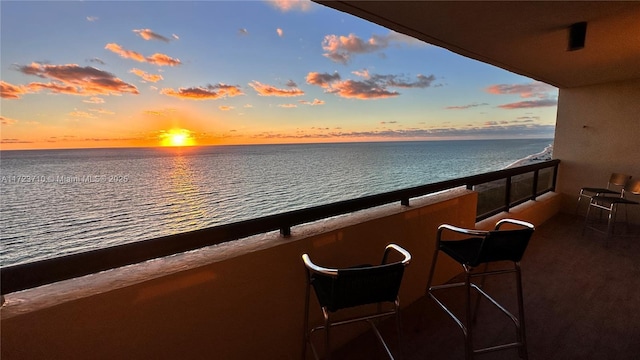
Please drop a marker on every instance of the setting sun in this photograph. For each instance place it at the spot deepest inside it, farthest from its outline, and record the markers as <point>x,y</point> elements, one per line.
<point>177,137</point>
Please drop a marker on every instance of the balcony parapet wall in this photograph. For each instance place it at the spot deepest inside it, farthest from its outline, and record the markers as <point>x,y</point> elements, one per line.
<point>238,300</point>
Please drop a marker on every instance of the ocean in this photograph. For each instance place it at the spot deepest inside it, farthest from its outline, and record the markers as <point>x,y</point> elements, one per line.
<point>57,202</point>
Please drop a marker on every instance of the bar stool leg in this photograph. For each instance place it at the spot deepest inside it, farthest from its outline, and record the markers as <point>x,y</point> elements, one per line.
<point>469,318</point>
<point>522,338</point>
<point>327,327</point>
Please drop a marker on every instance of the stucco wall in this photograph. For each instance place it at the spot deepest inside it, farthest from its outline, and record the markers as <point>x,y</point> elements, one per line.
<point>597,133</point>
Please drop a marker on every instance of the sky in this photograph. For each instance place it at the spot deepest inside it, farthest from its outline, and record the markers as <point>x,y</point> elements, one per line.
<point>85,74</point>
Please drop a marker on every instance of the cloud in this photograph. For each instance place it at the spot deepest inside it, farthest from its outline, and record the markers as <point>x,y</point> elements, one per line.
<point>102,111</point>
<point>15,141</point>
<point>322,80</point>
<point>375,86</point>
<point>6,121</point>
<point>288,106</point>
<point>268,90</point>
<point>312,103</point>
<point>210,92</point>
<point>543,94</point>
<point>535,89</point>
<point>10,91</point>
<point>154,112</point>
<point>96,60</point>
<point>352,89</point>
<point>291,5</point>
<point>146,76</point>
<point>94,100</point>
<point>76,80</point>
<point>156,59</point>
<point>243,31</point>
<point>81,114</point>
<point>280,32</point>
<point>395,81</point>
<point>92,18</point>
<point>341,48</point>
<point>225,107</point>
<point>469,132</point>
<point>147,34</point>
<point>463,107</point>
<point>530,104</point>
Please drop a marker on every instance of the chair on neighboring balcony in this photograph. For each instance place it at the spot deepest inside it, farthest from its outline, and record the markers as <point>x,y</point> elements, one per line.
<point>614,187</point>
<point>337,289</point>
<point>477,248</point>
<point>610,205</point>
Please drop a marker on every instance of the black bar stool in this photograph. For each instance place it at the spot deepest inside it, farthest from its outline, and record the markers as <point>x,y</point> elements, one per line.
<point>484,247</point>
<point>338,289</point>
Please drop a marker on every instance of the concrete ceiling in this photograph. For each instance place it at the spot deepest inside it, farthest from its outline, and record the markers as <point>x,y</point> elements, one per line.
<point>526,37</point>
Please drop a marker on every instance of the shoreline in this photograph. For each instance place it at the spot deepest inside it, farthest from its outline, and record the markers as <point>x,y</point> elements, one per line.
<point>544,155</point>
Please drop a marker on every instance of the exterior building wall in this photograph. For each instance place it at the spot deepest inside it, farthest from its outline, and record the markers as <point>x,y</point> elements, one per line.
<point>247,306</point>
<point>597,133</point>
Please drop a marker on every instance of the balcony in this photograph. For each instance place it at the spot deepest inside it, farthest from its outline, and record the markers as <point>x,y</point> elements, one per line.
<point>213,300</point>
<point>245,300</point>
<point>580,301</point>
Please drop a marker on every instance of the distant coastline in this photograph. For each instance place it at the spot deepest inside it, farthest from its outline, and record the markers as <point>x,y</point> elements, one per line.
<point>544,155</point>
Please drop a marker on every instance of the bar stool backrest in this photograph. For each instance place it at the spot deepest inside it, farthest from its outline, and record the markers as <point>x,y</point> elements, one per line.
<point>500,245</point>
<point>360,285</point>
<point>632,186</point>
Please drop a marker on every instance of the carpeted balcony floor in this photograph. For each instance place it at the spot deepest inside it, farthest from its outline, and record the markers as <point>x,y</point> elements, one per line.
<point>582,301</point>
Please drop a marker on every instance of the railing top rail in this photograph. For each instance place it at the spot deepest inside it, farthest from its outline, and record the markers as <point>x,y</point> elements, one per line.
<point>24,276</point>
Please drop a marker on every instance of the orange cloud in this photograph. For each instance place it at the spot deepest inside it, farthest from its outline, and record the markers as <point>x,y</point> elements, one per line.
<point>162,60</point>
<point>541,91</point>
<point>291,5</point>
<point>127,54</point>
<point>225,107</point>
<point>147,34</point>
<point>530,104</point>
<point>211,92</point>
<point>9,91</point>
<point>146,76</point>
<point>268,90</point>
<point>280,32</point>
<point>6,121</point>
<point>156,59</point>
<point>351,89</point>
<point>76,80</point>
<point>535,89</point>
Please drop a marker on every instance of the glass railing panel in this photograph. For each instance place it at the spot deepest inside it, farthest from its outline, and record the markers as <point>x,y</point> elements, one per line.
<point>491,196</point>
<point>521,188</point>
<point>545,180</point>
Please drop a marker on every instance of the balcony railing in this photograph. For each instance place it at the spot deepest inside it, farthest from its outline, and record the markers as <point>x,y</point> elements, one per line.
<point>498,191</point>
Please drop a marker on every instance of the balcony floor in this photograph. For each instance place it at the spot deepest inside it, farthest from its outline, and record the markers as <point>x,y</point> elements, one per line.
<point>582,301</point>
